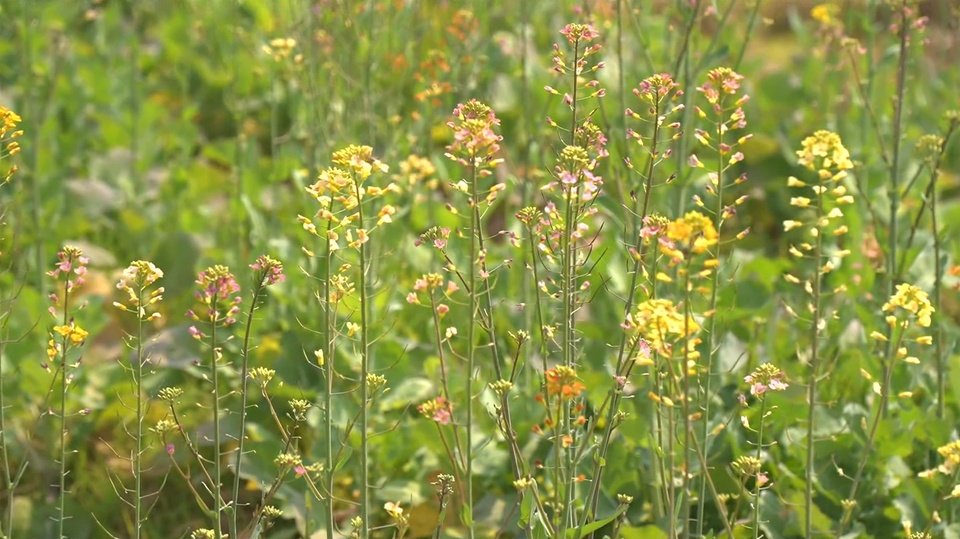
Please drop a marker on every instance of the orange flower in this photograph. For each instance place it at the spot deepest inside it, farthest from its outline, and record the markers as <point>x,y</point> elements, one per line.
<point>563,381</point>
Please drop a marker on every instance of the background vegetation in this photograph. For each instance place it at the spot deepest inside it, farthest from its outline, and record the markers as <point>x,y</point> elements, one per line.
<point>187,133</point>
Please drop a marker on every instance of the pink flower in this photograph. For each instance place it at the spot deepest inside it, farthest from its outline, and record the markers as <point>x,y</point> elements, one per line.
<point>269,271</point>
<point>579,32</point>
<point>762,479</point>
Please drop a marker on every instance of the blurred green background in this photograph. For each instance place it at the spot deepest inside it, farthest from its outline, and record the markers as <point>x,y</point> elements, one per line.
<point>162,130</point>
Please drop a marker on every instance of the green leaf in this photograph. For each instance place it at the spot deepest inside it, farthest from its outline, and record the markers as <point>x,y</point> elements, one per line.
<point>642,532</point>
<point>587,529</point>
<point>526,509</point>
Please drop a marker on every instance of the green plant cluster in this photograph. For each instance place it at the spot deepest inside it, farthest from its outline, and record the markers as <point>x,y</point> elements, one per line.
<point>325,268</point>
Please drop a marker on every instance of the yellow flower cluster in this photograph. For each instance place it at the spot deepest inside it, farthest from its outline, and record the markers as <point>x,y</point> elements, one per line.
<point>8,125</point>
<point>343,184</point>
<point>951,459</point>
<point>134,280</point>
<point>72,335</point>
<point>825,14</point>
<point>913,300</point>
<point>281,49</point>
<point>660,324</point>
<point>824,153</point>
<point>692,234</point>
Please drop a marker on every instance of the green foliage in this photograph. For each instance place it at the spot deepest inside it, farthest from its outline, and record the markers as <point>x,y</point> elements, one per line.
<point>183,134</point>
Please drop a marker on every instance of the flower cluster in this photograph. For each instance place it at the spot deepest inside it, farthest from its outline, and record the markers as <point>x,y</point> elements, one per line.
<point>725,114</point>
<point>438,409</point>
<point>134,281</point>
<point>824,153</point>
<point>913,300</point>
<point>693,233</point>
<point>416,170</point>
<point>475,140</point>
<point>281,48</point>
<point>575,171</point>
<point>9,132</point>
<point>71,268</point>
<point>219,294</point>
<point>951,461</point>
<point>429,283</point>
<point>660,324</point>
<point>562,382</point>
<point>268,271</point>
<point>577,35</point>
<point>70,261</point>
<point>656,92</point>
<point>766,377</point>
<point>339,191</point>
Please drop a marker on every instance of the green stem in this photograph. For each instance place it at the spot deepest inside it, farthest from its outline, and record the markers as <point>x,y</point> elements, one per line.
<point>471,345</point>
<point>894,190</point>
<point>62,494</point>
<point>687,423</point>
<point>365,361</point>
<point>138,454</point>
<point>215,487</point>
<point>814,370</point>
<point>329,322</point>
<point>756,487</point>
<point>242,435</point>
<point>711,339</point>
<point>874,427</point>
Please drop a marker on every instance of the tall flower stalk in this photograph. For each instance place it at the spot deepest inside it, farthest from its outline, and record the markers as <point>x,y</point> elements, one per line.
<point>724,115</point>
<point>219,297</point>
<point>576,183</point>
<point>823,153</point>
<point>135,282</point>
<point>267,272</point>
<point>345,197</point>
<point>908,308</point>
<point>66,339</point>
<point>475,145</point>
<point>763,380</point>
<point>9,121</point>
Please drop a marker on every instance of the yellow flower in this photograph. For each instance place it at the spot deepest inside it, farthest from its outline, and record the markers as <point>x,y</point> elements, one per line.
<point>75,334</point>
<point>695,230</point>
<point>825,14</point>
<point>8,121</point>
<point>660,323</point>
<point>824,151</point>
<point>910,298</point>
<point>394,510</point>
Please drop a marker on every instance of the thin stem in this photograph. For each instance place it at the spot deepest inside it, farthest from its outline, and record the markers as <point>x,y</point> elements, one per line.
<point>938,302</point>
<point>215,487</point>
<point>242,435</point>
<point>329,318</point>
<point>814,372</point>
<point>874,427</point>
<point>568,292</point>
<point>138,454</point>
<point>687,423</point>
<point>471,346</point>
<point>365,361</point>
<point>756,487</point>
<point>62,494</point>
<point>894,190</point>
<point>711,340</point>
